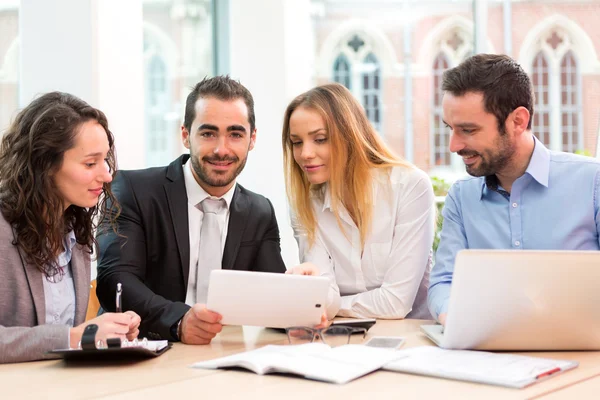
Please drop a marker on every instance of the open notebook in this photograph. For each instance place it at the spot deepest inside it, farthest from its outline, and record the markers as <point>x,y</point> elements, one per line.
<point>477,366</point>
<point>315,361</point>
<point>128,350</point>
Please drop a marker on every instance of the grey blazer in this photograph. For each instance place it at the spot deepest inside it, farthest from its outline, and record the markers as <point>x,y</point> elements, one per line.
<point>23,333</point>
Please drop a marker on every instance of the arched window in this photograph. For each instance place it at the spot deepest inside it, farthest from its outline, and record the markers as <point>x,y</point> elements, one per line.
<point>450,43</point>
<point>569,105</point>
<point>557,120</point>
<point>440,133</point>
<point>342,72</point>
<point>357,66</point>
<point>158,143</point>
<point>541,115</point>
<point>371,89</point>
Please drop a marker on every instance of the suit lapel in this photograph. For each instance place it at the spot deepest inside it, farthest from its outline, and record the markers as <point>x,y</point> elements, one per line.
<point>36,287</point>
<point>238,218</point>
<point>177,201</point>
<point>80,269</point>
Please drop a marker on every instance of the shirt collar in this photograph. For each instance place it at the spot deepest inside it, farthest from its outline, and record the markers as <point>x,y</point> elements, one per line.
<point>326,197</point>
<point>196,193</point>
<point>538,168</point>
<point>64,258</point>
<point>539,165</point>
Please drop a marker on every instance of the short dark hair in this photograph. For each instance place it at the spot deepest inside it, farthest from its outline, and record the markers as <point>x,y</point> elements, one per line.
<point>31,152</point>
<point>501,80</point>
<point>222,88</point>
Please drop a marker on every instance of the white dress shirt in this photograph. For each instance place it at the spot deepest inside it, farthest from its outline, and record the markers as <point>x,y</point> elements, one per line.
<point>390,278</point>
<point>195,195</point>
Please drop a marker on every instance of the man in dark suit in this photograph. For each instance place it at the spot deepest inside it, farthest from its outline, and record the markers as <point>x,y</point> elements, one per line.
<point>181,221</point>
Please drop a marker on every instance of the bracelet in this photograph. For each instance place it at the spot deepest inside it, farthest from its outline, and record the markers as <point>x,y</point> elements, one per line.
<point>179,329</point>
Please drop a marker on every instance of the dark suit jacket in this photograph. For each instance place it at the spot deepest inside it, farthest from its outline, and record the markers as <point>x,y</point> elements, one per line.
<point>152,259</point>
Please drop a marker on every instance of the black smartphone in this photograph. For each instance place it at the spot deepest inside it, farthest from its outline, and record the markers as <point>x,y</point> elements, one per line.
<point>366,323</point>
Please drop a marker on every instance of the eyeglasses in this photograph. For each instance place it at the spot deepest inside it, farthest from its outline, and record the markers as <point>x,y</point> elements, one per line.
<point>333,336</point>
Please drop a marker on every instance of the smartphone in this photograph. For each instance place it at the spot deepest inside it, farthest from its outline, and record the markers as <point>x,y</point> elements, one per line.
<point>356,323</point>
<point>385,342</point>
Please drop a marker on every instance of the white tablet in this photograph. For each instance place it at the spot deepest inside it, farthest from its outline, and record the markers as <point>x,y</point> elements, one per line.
<point>267,299</point>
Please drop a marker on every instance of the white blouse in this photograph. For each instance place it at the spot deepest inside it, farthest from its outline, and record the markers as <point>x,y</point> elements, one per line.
<point>390,279</point>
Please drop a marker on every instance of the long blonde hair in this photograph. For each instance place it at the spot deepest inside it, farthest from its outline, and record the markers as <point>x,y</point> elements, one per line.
<point>355,149</point>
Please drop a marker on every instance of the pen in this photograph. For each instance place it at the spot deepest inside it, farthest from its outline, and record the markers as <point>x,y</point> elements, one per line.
<point>548,373</point>
<point>118,299</point>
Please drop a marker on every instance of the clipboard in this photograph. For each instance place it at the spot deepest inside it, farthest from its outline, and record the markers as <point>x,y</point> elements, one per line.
<point>115,350</point>
<point>110,353</point>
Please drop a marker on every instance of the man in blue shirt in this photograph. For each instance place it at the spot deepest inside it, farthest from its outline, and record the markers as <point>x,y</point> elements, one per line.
<point>520,195</point>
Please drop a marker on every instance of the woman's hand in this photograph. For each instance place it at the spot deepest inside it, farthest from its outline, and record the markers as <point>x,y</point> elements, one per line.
<point>110,325</point>
<point>306,268</point>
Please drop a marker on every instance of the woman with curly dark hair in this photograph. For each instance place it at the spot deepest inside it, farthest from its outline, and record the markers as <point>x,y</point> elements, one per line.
<point>56,164</point>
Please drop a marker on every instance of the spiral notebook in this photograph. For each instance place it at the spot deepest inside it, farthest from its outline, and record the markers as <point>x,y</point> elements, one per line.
<point>143,349</point>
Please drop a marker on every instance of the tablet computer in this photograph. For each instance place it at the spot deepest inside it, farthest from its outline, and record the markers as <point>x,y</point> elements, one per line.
<point>267,299</point>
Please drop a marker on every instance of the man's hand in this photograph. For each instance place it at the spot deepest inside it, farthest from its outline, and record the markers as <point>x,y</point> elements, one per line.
<point>306,268</point>
<point>442,319</point>
<point>134,325</point>
<point>199,325</point>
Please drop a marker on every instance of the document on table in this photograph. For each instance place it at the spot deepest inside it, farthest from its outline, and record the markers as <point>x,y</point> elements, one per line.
<point>315,361</point>
<point>500,369</point>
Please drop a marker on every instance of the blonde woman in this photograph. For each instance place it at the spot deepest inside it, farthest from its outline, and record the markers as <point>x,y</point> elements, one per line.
<point>361,215</point>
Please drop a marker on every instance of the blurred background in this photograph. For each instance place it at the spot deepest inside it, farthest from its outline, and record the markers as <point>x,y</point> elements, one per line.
<point>137,60</point>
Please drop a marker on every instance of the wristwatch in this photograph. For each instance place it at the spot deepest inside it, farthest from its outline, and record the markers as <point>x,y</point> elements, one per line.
<point>176,330</point>
<point>88,338</point>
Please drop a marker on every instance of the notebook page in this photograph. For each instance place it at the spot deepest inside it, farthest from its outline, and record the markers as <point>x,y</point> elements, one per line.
<point>344,363</point>
<point>271,358</point>
<point>314,361</point>
<point>485,367</point>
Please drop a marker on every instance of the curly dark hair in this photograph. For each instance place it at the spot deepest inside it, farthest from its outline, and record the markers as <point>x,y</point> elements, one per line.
<point>31,151</point>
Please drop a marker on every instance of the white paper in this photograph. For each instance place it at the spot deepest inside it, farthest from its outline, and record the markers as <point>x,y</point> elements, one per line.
<point>477,366</point>
<point>313,361</point>
<point>152,345</point>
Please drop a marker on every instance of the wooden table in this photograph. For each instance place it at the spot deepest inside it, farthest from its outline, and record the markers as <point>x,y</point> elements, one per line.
<point>169,376</point>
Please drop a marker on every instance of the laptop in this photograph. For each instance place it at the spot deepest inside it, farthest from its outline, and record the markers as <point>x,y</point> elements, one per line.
<point>267,299</point>
<point>522,300</point>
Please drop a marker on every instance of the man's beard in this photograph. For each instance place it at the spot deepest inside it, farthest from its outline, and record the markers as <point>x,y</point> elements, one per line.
<point>491,162</point>
<point>217,180</point>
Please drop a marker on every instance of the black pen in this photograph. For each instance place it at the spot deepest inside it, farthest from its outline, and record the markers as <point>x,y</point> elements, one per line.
<point>118,299</point>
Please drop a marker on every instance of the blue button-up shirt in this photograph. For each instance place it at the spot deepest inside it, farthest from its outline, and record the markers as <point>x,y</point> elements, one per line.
<point>554,205</point>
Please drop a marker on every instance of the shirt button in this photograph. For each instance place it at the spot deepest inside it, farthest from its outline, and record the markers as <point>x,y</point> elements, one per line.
<point>517,243</point>
<point>514,205</point>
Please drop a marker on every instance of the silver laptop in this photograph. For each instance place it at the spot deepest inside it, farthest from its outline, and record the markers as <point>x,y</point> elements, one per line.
<point>522,300</point>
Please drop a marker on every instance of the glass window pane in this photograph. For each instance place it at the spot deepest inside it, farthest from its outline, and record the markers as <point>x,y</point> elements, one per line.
<point>440,133</point>
<point>177,55</point>
<point>342,71</point>
<point>371,77</point>
<point>9,65</point>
